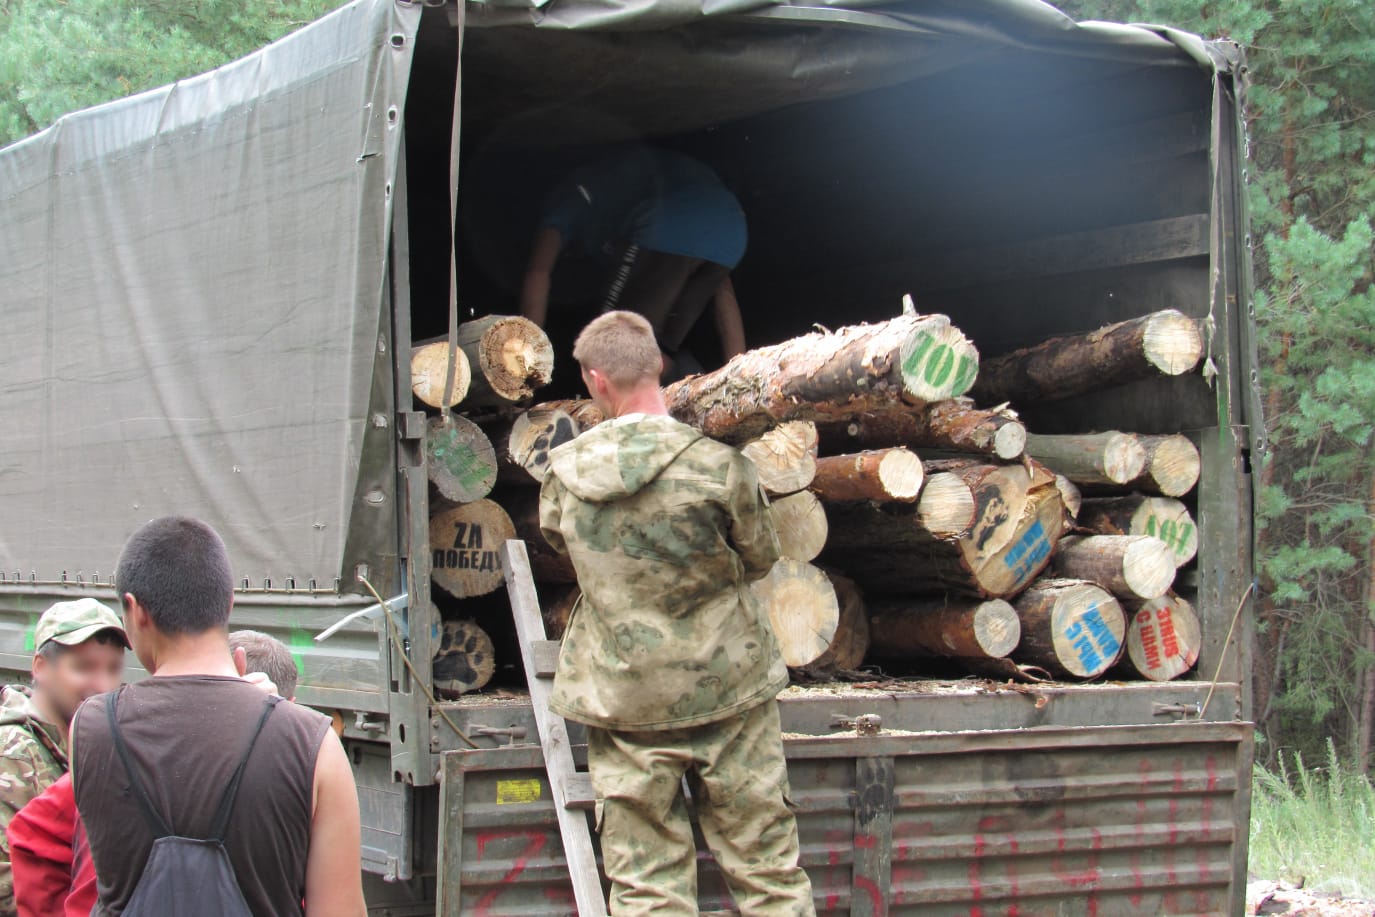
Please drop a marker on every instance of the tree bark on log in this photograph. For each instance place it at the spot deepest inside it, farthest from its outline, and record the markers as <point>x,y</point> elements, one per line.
<point>547,565</point>
<point>558,610</point>
<point>1159,517</point>
<point>801,525</point>
<point>523,443</point>
<point>784,457</point>
<point>1172,468</point>
<point>1092,458</point>
<point>429,369</point>
<point>465,660</point>
<point>459,458</point>
<point>851,642</point>
<point>888,548</point>
<point>952,627</point>
<point>955,425</point>
<point>1131,567</point>
<point>910,360</point>
<point>465,542</point>
<point>803,609</point>
<point>510,357</point>
<point>1070,627</point>
<point>1163,343</point>
<point>882,475</point>
<point>1163,639</point>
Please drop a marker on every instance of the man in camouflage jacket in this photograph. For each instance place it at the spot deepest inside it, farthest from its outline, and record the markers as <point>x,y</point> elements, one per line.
<point>78,653</point>
<point>668,657</point>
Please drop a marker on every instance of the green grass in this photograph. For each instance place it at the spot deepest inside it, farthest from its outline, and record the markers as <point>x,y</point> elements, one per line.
<point>1315,824</point>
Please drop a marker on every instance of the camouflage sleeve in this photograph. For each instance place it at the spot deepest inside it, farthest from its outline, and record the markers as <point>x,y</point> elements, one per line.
<point>551,513</point>
<point>751,527</point>
<point>23,776</point>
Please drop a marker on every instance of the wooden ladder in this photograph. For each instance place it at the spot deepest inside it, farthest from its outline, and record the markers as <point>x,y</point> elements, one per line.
<point>571,788</point>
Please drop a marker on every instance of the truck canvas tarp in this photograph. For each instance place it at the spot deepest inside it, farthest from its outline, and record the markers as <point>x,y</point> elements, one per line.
<point>209,293</point>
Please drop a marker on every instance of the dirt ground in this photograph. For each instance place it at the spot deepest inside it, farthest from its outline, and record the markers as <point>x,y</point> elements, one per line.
<point>1267,897</point>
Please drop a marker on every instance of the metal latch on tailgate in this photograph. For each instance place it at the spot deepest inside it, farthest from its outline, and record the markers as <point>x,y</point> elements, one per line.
<point>867,724</point>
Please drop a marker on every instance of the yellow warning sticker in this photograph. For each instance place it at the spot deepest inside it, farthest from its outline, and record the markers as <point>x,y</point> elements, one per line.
<point>515,792</point>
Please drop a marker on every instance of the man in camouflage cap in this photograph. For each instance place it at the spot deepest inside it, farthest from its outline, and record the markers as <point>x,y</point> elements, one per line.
<point>78,653</point>
<point>668,657</point>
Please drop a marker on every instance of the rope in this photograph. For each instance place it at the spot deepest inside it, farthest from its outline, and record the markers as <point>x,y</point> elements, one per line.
<point>1225,643</point>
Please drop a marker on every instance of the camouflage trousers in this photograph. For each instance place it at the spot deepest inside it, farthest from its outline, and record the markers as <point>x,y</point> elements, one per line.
<point>739,783</point>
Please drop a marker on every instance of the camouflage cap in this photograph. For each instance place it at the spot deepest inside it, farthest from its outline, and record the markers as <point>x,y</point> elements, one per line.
<point>72,623</point>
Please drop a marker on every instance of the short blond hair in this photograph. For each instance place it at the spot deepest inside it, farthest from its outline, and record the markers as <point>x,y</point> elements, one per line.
<point>621,346</point>
<point>269,655</point>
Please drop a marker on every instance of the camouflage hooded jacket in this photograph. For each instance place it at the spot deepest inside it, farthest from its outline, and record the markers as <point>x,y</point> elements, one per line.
<point>666,529</point>
<point>31,759</point>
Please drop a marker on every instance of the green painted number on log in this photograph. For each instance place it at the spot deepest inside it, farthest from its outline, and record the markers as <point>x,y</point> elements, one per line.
<point>1174,533</point>
<point>912,366</point>
<point>939,366</point>
<point>964,376</point>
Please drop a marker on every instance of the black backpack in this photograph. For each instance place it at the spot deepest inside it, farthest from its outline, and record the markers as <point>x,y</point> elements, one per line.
<point>186,875</point>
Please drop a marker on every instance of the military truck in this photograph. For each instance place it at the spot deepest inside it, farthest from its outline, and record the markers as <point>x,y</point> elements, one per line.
<point>209,293</point>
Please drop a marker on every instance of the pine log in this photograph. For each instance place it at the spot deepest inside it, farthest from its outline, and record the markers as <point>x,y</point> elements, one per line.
<point>1092,458</point>
<point>510,357</point>
<point>1070,627</point>
<point>523,442</point>
<point>1070,496</point>
<point>801,525</point>
<point>465,542</point>
<point>909,360</point>
<point>952,626</point>
<point>888,548</point>
<point>1131,567</point>
<point>946,506</point>
<point>803,609</point>
<point>586,414</point>
<point>1159,517</point>
<point>558,609</point>
<point>547,565</point>
<point>851,642</point>
<point>429,370</point>
<point>465,660</point>
<point>784,457</point>
<point>883,475</point>
<point>1163,639</point>
<point>459,458</point>
<point>955,425</point>
<point>1163,343</point>
<point>1172,468</point>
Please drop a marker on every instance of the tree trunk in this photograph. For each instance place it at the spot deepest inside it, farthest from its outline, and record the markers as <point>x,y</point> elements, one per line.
<point>429,370</point>
<point>851,642</point>
<point>465,542</point>
<point>1158,517</point>
<point>1131,567</point>
<point>558,610</point>
<point>465,660</point>
<point>510,357</point>
<point>889,548</point>
<point>523,443</point>
<point>784,457</point>
<point>1163,343</point>
<point>803,609</point>
<point>954,425</point>
<point>946,506</point>
<point>1070,627</point>
<point>1163,639</point>
<point>801,525</point>
<point>1093,458</point>
<point>906,360</point>
<point>954,627</point>
<point>459,458</point>
<point>883,475</point>
<point>1171,470</point>
<point>547,565</point>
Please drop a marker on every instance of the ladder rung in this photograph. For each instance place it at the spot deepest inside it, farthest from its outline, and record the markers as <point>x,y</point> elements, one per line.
<point>578,792</point>
<point>545,654</point>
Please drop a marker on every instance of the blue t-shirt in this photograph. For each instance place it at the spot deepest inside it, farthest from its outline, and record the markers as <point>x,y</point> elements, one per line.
<point>656,199</point>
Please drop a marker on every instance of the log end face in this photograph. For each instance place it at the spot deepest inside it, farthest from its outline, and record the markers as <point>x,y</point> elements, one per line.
<point>1088,629</point>
<point>1010,441</point>
<point>516,357</point>
<point>1148,567</point>
<point>1164,638</point>
<point>946,506</point>
<point>1175,465</point>
<point>465,660</point>
<point>997,628</point>
<point>936,361</point>
<point>429,371</point>
<point>1124,458</point>
<point>803,609</point>
<point>1173,342</point>
<point>902,474</point>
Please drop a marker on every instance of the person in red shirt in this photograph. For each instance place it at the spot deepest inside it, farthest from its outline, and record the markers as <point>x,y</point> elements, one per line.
<point>53,872</point>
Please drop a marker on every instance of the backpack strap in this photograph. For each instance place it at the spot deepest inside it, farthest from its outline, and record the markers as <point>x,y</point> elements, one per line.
<point>220,826</point>
<point>150,814</point>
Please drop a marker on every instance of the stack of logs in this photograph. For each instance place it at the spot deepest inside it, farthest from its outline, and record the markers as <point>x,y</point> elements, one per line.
<point>913,522</point>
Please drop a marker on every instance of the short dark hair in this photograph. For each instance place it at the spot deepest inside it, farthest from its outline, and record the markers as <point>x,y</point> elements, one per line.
<point>52,651</point>
<point>178,570</point>
<point>269,655</point>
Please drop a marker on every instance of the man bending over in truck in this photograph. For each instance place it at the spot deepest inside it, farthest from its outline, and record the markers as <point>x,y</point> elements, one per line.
<point>666,231</point>
<point>668,658</point>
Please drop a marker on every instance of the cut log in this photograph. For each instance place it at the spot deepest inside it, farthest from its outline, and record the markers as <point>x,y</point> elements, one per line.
<point>1070,496</point>
<point>465,660</point>
<point>523,442</point>
<point>547,565</point>
<point>1163,343</point>
<point>464,545</point>
<point>851,642</point>
<point>883,475</point>
<point>1131,567</point>
<point>785,456</point>
<point>1070,627</point>
<point>582,410</point>
<point>954,425</point>
<point>946,506</point>
<point>910,359</point>
<point>1093,458</point>
<point>801,525</point>
<point>429,370</point>
<point>459,458</point>
<point>954,627</point>
<point>888,548</point>
<point>1172,468</point>
<point>803,609</point>
<point>510,357</point>
<point>558,610</point>
<point>1163,639</point>
<point>1159,517</point>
